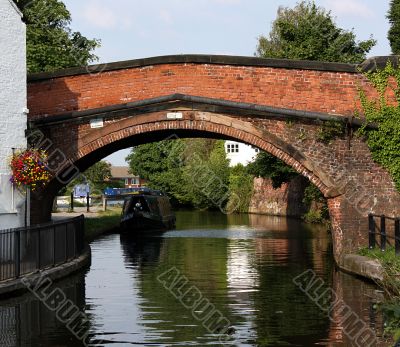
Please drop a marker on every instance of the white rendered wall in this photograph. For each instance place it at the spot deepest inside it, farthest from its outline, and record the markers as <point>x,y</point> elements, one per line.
<point>13,120</point>
<point>245,155</point>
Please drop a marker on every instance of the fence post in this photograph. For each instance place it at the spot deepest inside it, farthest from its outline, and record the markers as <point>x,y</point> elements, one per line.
<point>371,228</point>
<point>38,249</point>
<point>383,233</point>
<point>104,200</point>
<point>54,245</point>
<point>87,202</point>
<point>72,201</point>
<point>66,242</point>
<point>397,235</point>
<point>17,253</point>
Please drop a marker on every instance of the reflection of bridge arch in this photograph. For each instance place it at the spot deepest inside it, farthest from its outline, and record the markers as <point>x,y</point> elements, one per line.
<point>274,105</point>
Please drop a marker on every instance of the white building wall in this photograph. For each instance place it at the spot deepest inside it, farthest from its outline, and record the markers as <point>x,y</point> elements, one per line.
<point>13,118</point>
<point>240,153</point>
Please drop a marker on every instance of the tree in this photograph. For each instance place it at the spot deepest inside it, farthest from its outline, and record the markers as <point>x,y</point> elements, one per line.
<point>161,165</point>
<point>51,44</point>
<point>207,177</point>
<point>98,173</point>
<point>240,185</point>
<point>193,172</point>
<point>308,32</point>
<point>394,31</point>
<point>267,166</point>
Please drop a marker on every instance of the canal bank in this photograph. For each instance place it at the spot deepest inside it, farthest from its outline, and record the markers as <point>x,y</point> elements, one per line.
<point>20,285</point>
<point>47,251</point>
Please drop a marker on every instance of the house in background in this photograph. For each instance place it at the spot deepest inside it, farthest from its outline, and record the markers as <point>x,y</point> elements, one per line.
<point>13,109</point>
<point>121,174</point>
<point>240,153</point>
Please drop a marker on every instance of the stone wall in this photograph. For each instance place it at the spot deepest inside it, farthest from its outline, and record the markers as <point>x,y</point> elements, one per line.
<point>284,201</point>
<point>12,108</point>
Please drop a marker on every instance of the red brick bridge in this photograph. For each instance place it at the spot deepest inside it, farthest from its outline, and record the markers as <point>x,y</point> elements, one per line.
<point>280,106</point>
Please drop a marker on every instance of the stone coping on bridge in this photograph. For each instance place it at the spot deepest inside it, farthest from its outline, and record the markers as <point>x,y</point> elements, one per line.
<point>16,287</point>
<point>368,65</point>
<point>362,266</point>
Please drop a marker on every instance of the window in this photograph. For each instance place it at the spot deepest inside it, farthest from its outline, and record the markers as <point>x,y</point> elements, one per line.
<point>233,148</point>
<point>126,182</point>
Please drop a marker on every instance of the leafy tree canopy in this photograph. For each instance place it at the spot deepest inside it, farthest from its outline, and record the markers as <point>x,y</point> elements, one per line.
<point>51,44</point>
<point>99,172</point>
<point>308,32</point>
<point>267,166</point>
<point>394,31</point>
<point>192,172</point>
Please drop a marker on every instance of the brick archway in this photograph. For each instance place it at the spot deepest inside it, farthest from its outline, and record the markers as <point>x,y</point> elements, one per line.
<point>278,106</point>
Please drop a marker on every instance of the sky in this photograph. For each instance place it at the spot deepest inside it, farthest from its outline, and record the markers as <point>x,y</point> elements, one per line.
<point>130,29</point>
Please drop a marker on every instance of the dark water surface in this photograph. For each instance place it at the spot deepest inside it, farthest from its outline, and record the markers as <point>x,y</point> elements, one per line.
<point>238,268</point>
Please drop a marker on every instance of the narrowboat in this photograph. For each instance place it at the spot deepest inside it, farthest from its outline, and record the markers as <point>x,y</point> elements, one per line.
<point>147,210</point>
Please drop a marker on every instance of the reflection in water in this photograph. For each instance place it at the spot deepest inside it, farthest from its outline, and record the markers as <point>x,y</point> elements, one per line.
<point>243,264</point>
<point>25,321</point>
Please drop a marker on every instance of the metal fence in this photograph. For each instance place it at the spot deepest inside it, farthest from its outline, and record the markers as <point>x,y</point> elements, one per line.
<point>26,250</point>
<point>386,228</point>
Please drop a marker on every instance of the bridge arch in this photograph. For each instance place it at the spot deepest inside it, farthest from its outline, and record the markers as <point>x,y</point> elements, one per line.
<point>278,106</point>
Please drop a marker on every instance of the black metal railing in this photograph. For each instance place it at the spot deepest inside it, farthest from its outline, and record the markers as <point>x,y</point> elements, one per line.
<point>387,228</point>
<point>26,250</point>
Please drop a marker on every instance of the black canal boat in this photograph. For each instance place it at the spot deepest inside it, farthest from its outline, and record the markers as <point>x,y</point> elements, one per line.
<point>147,210</point>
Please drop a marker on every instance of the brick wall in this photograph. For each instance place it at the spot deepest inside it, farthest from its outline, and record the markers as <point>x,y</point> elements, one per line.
<point>286,200</point>
<point>343,170</point>
<point>320,91</point>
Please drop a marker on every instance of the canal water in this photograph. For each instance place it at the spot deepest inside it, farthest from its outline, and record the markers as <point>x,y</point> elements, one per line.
<point>215,280</point>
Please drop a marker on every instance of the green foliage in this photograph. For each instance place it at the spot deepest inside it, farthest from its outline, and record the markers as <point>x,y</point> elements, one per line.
<point>192,172</point>
<point>391,285</point>
<point>99,172</point>
<point>241,185</point>
<point>308,32</point>
<point>161,165</point>
<point>267,166</point>
<point>384,111</point>
<point>330,130</point>
<point>394,31</point>
<point>207,179</point>
<point>391,312</point>
<point>314,217</point>
<point>318,208</point>
<point>51,44</point>
<point>391,267</point>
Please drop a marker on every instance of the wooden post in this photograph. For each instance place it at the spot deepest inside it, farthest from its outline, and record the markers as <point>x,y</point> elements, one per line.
<point>383,233</point>
<point>87,202</point>
<point>104,201</point>
<point>72,201</point>
<point>397,235</point>
<point>28,207</point>
<point>371,228</point>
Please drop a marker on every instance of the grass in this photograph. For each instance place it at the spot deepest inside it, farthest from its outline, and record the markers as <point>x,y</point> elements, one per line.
<point>391,285</point>
<point>102,223</point>
<point>391,266</point>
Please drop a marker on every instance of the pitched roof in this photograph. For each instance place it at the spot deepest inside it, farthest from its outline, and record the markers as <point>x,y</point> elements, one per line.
<point>120,172</point>
<point>16,8</point>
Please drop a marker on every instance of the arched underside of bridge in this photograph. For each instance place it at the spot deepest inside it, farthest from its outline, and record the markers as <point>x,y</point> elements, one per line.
<point>279,106</point>
<point>336,169</point>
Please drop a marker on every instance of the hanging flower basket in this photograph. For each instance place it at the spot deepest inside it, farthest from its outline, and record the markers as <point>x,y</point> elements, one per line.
<point>29,169</point>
